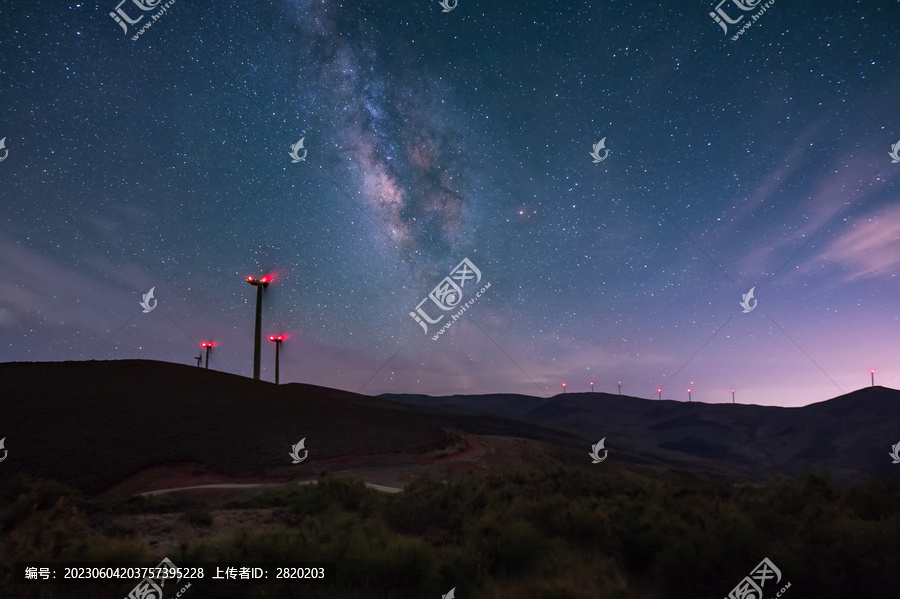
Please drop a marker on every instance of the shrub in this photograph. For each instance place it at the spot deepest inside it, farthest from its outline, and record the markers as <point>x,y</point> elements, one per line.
<point>198,517</point>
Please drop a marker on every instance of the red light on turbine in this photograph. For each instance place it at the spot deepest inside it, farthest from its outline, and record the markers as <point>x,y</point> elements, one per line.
<point>271,337</point>
<point>659,390</point>
<point>871,372</point>
<point>689,390</point>
<point>564,384</point>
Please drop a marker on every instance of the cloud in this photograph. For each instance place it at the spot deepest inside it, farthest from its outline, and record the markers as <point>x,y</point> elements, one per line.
<point>38,292</point>
<point>790,244</point>
<point>871,248</point>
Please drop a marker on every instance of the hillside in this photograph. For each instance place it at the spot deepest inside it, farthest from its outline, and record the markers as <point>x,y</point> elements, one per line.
<point>92,424</point>
<point>848,437</point>
<point>510,504</point>
<point>136,425</point>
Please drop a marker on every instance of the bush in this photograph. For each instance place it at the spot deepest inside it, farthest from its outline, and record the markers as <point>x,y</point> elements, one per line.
<point>198,517</point>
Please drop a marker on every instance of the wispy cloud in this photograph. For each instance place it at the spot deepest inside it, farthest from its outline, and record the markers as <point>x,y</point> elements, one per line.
<point>39,290</point>
<point>871,248</point>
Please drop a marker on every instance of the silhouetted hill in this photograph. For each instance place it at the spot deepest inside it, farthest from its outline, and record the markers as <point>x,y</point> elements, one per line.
<point>95,424</point>
<point>91,424</point>
<point>848,437</point>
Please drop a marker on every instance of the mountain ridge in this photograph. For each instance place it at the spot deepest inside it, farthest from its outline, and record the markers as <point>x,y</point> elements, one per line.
<point>93,424</point>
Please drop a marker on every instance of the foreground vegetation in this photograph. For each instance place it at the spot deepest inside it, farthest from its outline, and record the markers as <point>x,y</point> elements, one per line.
<point>559,533</point>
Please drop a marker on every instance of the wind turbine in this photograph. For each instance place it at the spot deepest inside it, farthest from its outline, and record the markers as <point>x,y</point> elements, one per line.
<point>277,340</point>
<point>208,345</point>
<point>260,284</point>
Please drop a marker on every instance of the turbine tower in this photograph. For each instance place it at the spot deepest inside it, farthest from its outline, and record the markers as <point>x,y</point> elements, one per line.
<point>260,284</point>
<point>207,345</point>
<point>277,340</point>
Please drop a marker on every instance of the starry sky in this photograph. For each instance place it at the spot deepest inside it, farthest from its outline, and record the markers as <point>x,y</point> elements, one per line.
<point>159,157</point>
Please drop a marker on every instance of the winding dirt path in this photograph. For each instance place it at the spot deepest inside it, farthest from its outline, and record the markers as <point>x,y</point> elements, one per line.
<point>382,488</point>
<point>467,454</point>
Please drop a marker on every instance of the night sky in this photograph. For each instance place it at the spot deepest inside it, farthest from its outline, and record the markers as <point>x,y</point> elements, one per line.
<point>432,137</point>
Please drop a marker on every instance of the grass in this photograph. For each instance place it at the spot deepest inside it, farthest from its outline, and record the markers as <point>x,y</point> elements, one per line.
<point>551,533</point>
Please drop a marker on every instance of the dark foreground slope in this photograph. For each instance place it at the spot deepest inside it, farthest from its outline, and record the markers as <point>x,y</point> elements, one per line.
<point>92,424</point>
<point>848,437</point>
<point>580,530</point>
